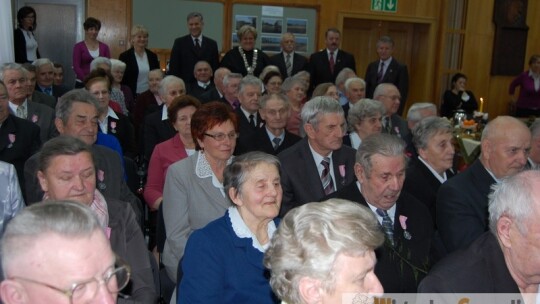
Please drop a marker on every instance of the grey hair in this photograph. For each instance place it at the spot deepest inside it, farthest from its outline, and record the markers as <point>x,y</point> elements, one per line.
<point>385,39</point>
<point>64,218</point>
<point>535,128</point>
<point>167,81</point>
<point>317,107</point>
<point>61,145</point>
<point>363,109</point>
<point>249,80</point>
<point>100,60</point>
<point>115,63</point>
<point>237,172</point>
<point>29,67</point>
<point>42,61</point>
<point>343,75</point>
<point>268,69</point>
<point>414,114</point>
<point>265,98</point>
<point>139,29</point>
<point>244,29</point>
<point>289,83</point>
<point>194,15</point>
<point>11,66</point>
<point>382,144</point>
<point>492,128</point>
<point>349,81</point>
<point>428,127</point>
<point>230,76</point>
<point>513,197</point>
<point>65,103</point>
<point>381,89</point>
<point>311,237</point>
<point>201,62</point>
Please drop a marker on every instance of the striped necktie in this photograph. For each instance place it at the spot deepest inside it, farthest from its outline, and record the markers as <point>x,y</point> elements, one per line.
<point>387,225</point>
<point>288,65</point>
<point>276,142</point>
<point>326,177</point>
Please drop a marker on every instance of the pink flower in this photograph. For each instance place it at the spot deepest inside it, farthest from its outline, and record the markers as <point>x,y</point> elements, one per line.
<point>12,138</point>
<point>113,124</point>
<point>403,222</point>
<point>101,175</point>
<point>342,171</point>
<point>34,118</point>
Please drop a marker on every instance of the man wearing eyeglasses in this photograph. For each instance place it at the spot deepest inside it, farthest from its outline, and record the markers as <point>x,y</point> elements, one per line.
<point>56,252</point>
<point>394,124</point>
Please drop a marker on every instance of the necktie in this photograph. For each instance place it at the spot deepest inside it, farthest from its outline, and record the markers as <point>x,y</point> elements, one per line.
<point>48,91</point>
<point>387,225</point>
<point>288,64</point>
<point>326,178</point>
<point>21,113</point>
<point>235,104</point>
<point>252,120</point>
<point>332,62</point>
<point>276,142</point>
<point>387,126</point>
<point>380,73</point>
<point>197,45</point>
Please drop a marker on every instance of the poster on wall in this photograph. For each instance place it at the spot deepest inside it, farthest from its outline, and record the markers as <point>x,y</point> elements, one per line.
<point>301,44</point>
<point>234,40</point>
<point>297,26</point>
<point>270,43</point>
<point>272,26</point>
<point>240,20</point>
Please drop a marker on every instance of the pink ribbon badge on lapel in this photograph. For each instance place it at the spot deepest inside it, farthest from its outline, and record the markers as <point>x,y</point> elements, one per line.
<point>342,171</point>
<point>34,118</point>
<point>11,138</point>
<point>403,223</point>
<point>113,126</point>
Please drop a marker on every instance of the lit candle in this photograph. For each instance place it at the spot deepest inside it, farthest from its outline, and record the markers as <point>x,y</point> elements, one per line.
<point>481,104</point>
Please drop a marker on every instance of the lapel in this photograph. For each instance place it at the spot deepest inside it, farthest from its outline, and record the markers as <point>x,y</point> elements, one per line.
<point>7,128</point>
<point>112,125</point>
<point>252,255</point>
<point>206,185</point>
<point>337,162</point>
<point>390,71</point>
<point>311,170</point>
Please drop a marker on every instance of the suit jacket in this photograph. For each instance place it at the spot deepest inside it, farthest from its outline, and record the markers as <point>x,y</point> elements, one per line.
<point>423,185</point>
<point>19,139</point>
<point>260,141</point>
<point>57,90</point>
<point>127,242</point>
<point>210,95</point>
<point>155,131</point>
<point>299,63</point>
<point>189,203</point>
<point>109,178</point>
<point>399,128</point>
<point>43,116</point>
<point>395,275</point>
<point>132,68</point>
<point>20,47</point>
<point>184,56</point>
<point>233,274</point>
<point>480,268</point>
<point>145,104</point>
<point>196,91</point>
<point>300,178</point>
<point>122,129</point>
<point>43,98</point>
<point>462,207</point>
<point>396,73</point>
<point>319,66</point>
<point>244,127</point>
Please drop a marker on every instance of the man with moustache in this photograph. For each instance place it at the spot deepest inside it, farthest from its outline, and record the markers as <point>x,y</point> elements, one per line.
<point>380,172</point>
<point>288,61</point>
<point>325,65</point>
<point>462,202</point>
<point>319,164</point>
<point>393,124</point>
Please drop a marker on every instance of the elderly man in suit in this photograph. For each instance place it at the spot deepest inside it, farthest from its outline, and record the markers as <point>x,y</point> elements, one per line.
<point>505,259</point>
<point>249,119</point>
<point>387,70</point>
<point>203,76</point>
<point>341,77</point>
<point>272,138</point>
<point>462,202</point>
<point>390,96</point>
<point>33,94</point>
<point>192,48</point>
<point>231,86</point>
<point>78,117</point>
<point>288,61</point>
<point>319,164</point>
<point>380,172</point>
<point>19,138</point>
<point>217,91</point>
<point>325,65</point>
<point>45,78</point>
<point>12,74</point>
<point>355,89</point>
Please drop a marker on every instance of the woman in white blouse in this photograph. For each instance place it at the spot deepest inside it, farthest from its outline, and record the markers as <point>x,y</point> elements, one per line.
<point>26,46</point>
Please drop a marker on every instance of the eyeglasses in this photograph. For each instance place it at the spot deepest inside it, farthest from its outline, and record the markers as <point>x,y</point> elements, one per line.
<point>222,136</point>
<point>82,292</point>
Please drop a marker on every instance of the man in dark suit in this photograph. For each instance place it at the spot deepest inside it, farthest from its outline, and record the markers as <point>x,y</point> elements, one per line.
<point>462,202</point>
<point>78,117</point>
<point>249,119</point>
<point>203,77</point>
<point>45,78</point>
<point>319,164</point>
<point>505,259</point>
<point>392,123</point>
<point>192,48</point>
<point>32,93</point>
<point>387,70</point>
<point>380,172</point>
<point>326,64</point>
<point>19,138</point>
<point>231,86</point>
<point>272,138</point>
<point>288,61</point>
<point>355,90</point>
<point>217,91</point>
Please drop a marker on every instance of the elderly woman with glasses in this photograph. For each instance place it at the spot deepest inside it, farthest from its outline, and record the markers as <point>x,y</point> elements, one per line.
<point>364,119</point>
<point>193,194</point>
<point>235,273</point>
<point>67,172</point>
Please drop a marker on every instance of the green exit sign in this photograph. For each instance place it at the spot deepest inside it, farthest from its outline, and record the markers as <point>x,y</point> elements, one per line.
<point>384,5</point>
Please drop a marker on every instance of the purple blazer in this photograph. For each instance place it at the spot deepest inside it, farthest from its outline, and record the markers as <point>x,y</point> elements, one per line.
<point>82,58</point>
<point>528,97</point>
<point>165,154</point>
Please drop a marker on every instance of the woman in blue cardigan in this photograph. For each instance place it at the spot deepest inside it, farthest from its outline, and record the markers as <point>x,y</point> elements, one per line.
<point>223,262</point>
